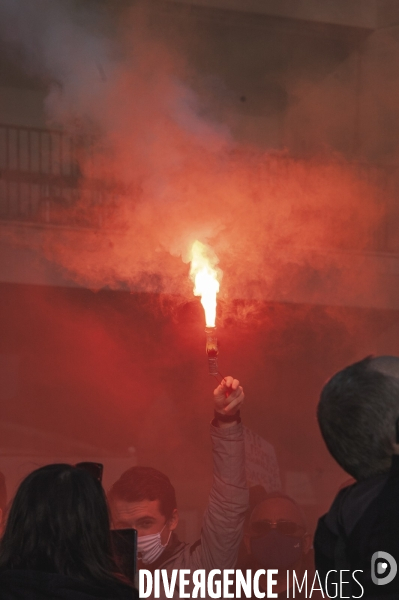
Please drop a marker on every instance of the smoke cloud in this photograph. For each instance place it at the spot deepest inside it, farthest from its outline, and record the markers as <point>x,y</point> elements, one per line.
<point>170,171</point>
<point>278,224</point>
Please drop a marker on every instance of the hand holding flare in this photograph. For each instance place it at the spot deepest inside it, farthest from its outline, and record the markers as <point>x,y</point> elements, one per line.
<point>228,396</point>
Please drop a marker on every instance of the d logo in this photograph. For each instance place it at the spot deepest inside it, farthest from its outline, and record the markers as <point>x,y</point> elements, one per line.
<point>383,568</point>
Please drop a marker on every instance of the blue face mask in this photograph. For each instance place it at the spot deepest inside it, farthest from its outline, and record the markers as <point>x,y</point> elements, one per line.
<point>276,550</point>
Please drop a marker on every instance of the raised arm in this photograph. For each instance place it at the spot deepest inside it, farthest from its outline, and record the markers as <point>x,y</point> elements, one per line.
<point>228,500</point>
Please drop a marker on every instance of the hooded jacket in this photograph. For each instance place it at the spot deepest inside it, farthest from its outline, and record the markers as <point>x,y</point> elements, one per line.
<point>223,522</point>
<point>363,520</point>
<point>36,585</point>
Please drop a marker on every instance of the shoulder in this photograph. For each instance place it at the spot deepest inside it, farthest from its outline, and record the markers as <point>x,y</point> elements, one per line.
<point>182,556</point>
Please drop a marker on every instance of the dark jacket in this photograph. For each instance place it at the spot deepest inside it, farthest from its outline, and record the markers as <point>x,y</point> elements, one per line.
<point>363,520</point>
<point>35,585</point>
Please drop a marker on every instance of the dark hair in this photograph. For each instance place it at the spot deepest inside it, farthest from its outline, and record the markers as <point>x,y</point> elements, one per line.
<point>145,483</point>
<point>3,494</point>
<point>59,523</point>
<point>357,413</point>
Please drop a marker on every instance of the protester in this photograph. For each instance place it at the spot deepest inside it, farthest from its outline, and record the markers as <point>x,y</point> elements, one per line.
<point>276,537</point>
<point>144,498</point>
<point>358,416</point>
<point>56,543</point>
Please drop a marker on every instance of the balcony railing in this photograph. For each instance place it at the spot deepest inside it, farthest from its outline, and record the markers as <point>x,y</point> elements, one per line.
<point>41,182</point>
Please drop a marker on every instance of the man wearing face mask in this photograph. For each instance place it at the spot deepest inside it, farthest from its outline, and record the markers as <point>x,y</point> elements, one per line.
<point>144,499</point>
<point>276,537</point>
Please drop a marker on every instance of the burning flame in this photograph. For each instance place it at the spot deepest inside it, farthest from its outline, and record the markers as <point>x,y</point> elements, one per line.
<point>206,279</point>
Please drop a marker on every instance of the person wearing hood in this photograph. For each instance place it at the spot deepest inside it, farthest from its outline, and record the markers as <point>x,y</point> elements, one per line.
<point>276,537</point>
<point>57,543</point>
<point>358,415</point>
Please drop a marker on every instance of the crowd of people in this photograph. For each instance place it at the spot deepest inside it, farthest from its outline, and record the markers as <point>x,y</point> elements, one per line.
<point>63,538</point>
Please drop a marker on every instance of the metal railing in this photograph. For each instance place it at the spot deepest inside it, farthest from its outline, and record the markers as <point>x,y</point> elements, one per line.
<point>41,181</point>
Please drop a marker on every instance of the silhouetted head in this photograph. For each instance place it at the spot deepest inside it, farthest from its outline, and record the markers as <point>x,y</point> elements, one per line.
<point>58,522</point>
<point>144,499</point>
<point>357,414</point>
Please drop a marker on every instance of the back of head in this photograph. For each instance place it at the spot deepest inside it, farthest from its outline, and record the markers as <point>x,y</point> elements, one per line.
<point>58,522</point>
<point>357,413</point>
<point>145,483</point>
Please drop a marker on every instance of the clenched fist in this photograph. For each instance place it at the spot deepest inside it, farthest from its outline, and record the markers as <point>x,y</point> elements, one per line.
<point>228,396</point>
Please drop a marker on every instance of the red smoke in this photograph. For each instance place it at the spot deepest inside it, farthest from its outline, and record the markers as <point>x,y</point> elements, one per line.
<point>283,228</point>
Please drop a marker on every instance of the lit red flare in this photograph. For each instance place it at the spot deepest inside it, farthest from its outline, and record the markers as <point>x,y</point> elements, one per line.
<point>206,278</point>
